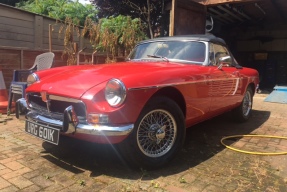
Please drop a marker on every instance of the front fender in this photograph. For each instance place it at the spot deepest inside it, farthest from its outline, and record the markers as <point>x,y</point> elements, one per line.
<point>128,112</point>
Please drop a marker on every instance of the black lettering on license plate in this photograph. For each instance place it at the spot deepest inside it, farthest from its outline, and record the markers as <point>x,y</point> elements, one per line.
<point>46,133</point>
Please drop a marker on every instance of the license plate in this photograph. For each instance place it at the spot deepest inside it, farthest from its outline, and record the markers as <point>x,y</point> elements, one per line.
<point>45,133</point>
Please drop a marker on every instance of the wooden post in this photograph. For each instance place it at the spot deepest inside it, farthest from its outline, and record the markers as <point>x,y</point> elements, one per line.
<point>21,59</point>
<point>172,17</point>
<point>93,56</point>
<point>76,52</point>
<point>50,37</point>
<point>38,31</point>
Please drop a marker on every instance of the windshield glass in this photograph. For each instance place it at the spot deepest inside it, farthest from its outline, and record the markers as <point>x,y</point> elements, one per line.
<point>188,51</point>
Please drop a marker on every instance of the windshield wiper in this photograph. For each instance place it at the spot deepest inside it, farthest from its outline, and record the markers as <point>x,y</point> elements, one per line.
<point>158,56</point>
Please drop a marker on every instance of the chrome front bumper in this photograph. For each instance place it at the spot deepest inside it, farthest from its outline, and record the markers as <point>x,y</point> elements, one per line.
<point>70,124</point>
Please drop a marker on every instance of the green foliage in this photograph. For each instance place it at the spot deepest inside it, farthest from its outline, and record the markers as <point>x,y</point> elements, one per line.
<point>115,34</point>
<point>125,31</point>
<point>159,17</point>
<point>60,9</point>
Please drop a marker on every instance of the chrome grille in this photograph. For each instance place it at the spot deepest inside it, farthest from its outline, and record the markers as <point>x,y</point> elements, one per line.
<point>57,106</point>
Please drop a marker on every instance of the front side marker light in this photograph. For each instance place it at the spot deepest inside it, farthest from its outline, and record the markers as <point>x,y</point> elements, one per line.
<point>98,118</point>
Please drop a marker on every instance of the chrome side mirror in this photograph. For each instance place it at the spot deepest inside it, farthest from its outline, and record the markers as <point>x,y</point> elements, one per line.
<point>225,61</point>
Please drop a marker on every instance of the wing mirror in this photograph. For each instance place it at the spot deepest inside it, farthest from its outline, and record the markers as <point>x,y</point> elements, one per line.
<point>225,61</point>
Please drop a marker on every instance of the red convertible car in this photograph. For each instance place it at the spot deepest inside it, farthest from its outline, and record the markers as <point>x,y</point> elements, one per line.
<point>143,105</point>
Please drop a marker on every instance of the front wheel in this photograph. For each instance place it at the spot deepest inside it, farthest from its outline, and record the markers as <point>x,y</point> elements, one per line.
<point>158,134</point>
<point>243,112</point>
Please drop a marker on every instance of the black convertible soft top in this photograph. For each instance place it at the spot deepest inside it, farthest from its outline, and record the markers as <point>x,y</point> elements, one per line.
<point>197,37</point>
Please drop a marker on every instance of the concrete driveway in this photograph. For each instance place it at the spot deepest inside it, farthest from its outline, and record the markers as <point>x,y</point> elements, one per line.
<point>204,164</point>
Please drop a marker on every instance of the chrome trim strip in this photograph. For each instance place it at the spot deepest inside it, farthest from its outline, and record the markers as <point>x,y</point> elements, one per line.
<point>167,85</point>
<point>151,87</point>
<point>176,84</point>
<point>60,98</point>
<point>181,83</point>
<point>236,86</point>
<point>56,97</point>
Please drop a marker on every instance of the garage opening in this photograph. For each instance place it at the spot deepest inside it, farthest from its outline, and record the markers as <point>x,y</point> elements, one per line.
<point>254,30</point>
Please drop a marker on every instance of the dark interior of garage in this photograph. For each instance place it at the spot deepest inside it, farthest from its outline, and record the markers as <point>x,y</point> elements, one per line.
<point>256,32</point>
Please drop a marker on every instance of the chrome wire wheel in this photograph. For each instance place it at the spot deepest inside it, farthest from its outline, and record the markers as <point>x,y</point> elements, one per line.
<point>156,133</point>
<point>247,103</point>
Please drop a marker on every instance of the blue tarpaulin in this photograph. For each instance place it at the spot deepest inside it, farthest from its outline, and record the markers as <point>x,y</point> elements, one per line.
<point>278,95</point>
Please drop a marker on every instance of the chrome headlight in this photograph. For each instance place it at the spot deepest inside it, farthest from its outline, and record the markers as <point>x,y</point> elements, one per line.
<point>115,92</point>
<point>32,78</point>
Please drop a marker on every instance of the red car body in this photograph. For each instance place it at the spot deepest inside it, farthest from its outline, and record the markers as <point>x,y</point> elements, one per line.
<point>199,89</point>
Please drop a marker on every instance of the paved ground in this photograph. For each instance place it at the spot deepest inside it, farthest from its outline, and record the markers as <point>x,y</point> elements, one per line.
<point>204,164</point>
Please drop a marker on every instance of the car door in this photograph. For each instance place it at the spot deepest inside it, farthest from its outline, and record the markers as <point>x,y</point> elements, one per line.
<point>226,81</point>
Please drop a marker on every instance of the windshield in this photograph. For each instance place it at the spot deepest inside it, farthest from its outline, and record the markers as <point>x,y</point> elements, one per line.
<point>186,51</point>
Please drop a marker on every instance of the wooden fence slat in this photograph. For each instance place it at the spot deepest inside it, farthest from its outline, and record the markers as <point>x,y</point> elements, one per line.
<point>16,29</point>
<point>16,22</point>
<point>16,14</point>
<point>16,37</point>
<point>9,43</point>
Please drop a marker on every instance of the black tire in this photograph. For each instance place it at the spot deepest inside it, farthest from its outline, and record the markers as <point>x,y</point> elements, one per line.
<point>243,112</point>
<point>158,135</point>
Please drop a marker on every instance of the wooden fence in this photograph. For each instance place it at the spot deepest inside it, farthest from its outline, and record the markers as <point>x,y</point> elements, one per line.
<point>24,35</point>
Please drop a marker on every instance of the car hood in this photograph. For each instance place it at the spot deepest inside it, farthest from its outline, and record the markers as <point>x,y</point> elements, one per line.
<point>74,81</point>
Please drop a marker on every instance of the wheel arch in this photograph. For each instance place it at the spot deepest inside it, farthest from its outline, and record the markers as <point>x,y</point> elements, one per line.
<point>173,94</point>
<point>252,86</point>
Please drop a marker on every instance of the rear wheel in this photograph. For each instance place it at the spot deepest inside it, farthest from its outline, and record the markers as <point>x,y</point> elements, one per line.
<point>243,111</point>
<point>158,134</point>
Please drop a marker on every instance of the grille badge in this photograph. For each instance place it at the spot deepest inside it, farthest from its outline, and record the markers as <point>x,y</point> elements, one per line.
<point>46,99</point>
<point>44,96</point>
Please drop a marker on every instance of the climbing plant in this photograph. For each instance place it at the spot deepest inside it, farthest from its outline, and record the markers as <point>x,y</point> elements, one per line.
<point>69,30</point>
<point>114,35</point>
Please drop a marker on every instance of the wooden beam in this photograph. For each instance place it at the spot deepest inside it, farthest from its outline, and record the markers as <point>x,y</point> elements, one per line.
<point>222,15</point>
<point>222,21</point>
<point>239,12</point>
<point>230,13</point>
<point>216,2</point>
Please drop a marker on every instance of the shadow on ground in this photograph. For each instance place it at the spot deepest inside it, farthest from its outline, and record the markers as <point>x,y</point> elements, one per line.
<point>202,143</point>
